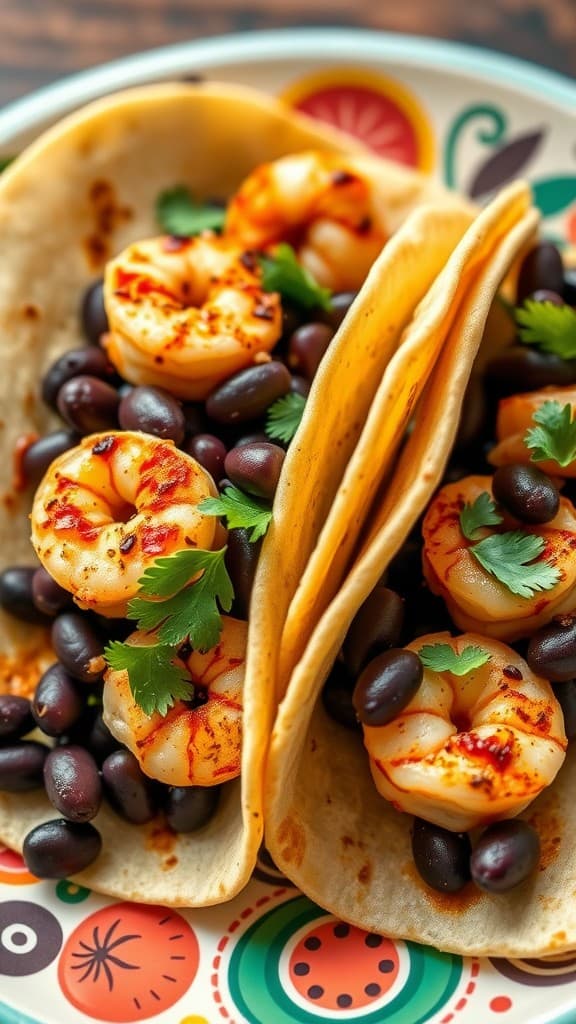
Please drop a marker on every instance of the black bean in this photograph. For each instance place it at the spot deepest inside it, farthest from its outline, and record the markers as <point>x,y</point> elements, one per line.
<point>300,386</point>
<point>241,561</point>
<point>154,411</point>
<point>542,267</point>
<point>255,468</point>
<point>291,318</point>
<point>78,646</point>
<point>92,362</point>
<point>15,717</point>
<point>524,368</point>
<point>442,858</point>
<point>210,452</point>
<point>545,295</point>
<point>505,855</point>
<point>89,405</point>
<point>40,455</point>
<point>565,694</point>
<point>72,783</point>
<point>16,595</point>
<point>339,307</point>
<point>57,703</point>
<point>48,596</point>
<point>337,697</point>
<point>552,650</point>
<point>21,766</point>
<point>307,347</point>
<point>405,569</point>
<point>59,848</point>
<point>195,419</point>
<point>526,493</point>
<point>99,740</point>
<point>569,289</point>
<point>188,808</point>
<point>257,437</point>
<point>247,394</point>
<point>376,626</point>
<point>387,685</point>
<point>93,312</point>
<point>131,793</point>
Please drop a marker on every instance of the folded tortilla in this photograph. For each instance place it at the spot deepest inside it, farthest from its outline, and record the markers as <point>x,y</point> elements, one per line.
<point>327,828</point>
<point>79,195</point>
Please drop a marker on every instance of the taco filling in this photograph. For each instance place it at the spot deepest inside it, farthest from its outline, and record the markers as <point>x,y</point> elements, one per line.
<point>153,495</point>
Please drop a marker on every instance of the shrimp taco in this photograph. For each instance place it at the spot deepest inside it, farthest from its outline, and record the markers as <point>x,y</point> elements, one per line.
<point>139,658</point>
<point>420,749</point>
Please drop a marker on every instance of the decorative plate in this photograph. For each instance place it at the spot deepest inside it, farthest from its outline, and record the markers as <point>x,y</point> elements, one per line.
<point>68,956</point>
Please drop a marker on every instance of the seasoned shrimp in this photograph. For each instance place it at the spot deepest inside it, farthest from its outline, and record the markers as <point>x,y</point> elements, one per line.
<point>107,509</point>
<point>191,745</point>
<point>475,599</point>
<point>515,418</point>
<point>186,314</point>
<point>469,750</point>
<point>326,206</point>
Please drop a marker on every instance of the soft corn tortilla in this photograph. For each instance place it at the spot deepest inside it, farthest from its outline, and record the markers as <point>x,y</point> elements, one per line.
<point>327,828</point>
<point>74,199</point>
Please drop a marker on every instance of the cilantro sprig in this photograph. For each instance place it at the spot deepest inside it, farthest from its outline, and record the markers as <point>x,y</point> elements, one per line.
<point>180,598</point>
<point>551,327</point>
<point>511,557</point>
<point>178,213</point>
<point>482,512</point>
<point>240,509</point>
<point>442,658</point>
<point>554,436</point>
<point>282,273</point>
<point>283,417</point>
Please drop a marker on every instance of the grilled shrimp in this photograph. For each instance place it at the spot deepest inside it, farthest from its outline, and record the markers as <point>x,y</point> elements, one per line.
<point>326,206</point>
<point>515,418</point>
<point>191,745</point>
<point>469,750</point>
<point>185,314</point>
<point>475,599</point>
<point>107,509</point>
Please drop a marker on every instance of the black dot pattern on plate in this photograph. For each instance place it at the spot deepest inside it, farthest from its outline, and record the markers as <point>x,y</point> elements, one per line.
<point>373,941</point>
<point>301,969</point>
<point>315,992</point>
<point>344,1000</point>
<point>341,931</point>
<point>372,989</point>
<point>312,943</point>
<point>385,966</point>
<point>30,938</point>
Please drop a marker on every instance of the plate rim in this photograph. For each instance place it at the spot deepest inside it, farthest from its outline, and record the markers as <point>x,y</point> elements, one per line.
<point>337,44</point>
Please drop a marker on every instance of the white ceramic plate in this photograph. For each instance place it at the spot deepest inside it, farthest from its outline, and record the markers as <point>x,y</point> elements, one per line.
<point>68,956</point>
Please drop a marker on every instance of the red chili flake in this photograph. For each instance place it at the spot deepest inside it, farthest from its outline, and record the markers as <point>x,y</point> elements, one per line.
<point>342,177</point>
<point>69,517</point>
<point>127,543</point>
<point>491,749</point>
<point>155,538</point>
<point>364,225</point>
<point>105,446</point>
<point>511,672</point>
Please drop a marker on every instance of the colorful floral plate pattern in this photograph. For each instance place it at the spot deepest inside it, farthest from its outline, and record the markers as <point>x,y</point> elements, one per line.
<point>69,956</point>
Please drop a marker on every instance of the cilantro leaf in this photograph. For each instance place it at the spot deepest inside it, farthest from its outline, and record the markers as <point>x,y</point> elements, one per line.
<point>442,658</point>
<point>5,162</point>
<point>191,613</point>
<point>156,680</point>
<point>283,417</point>
<point>282,273</point>
<point>507,556</point>
<point>555,436</point>
<point>240,509</point>
<point>178,214</point>
<point>481,512</point>
<point>551,327</point>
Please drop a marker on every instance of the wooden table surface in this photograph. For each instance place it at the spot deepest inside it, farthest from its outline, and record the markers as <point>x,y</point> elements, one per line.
<point>42,40</point>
